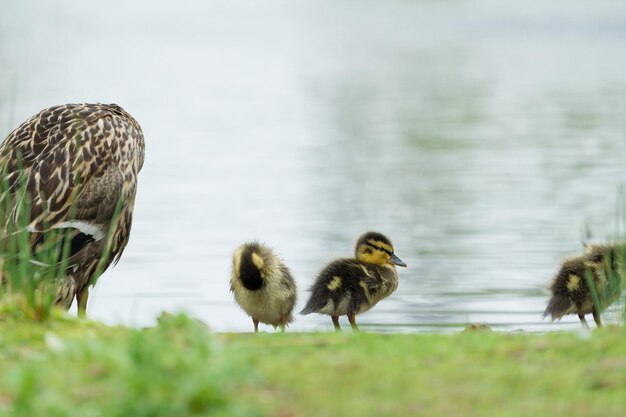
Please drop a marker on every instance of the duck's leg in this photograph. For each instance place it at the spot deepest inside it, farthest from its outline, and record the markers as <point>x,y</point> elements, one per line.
<point>256,325</point>
<point>81,299</point>
<point>583,321</point>
<point>352,320</point>
<point>596,318</point>
<point>336,323</point>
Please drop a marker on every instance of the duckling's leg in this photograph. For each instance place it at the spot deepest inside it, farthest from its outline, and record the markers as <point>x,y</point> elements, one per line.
<point>596,318</point>
<point>256,325</point>
<point>352,320</point>
<point>583,321</point>
<point>81,299</point>
<point>336,323</point>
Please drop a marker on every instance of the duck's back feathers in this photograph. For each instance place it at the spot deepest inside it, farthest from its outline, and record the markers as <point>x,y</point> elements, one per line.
<point>249,266</point>
<point>337,279</point>
<point>350,286</point>
<point>74,156</point>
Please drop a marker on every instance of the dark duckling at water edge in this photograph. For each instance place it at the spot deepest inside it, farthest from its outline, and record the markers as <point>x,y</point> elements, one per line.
<point>351,286</point>
<point>571,293</point>
<point>263,286</point>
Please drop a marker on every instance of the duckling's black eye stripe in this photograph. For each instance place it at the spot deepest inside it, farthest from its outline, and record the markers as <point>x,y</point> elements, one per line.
<point>379,248</point>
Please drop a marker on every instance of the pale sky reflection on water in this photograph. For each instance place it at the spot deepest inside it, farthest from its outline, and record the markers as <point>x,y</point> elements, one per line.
<point>480,137</point>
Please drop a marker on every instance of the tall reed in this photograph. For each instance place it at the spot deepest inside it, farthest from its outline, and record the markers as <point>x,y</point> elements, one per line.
<point>608,286</point>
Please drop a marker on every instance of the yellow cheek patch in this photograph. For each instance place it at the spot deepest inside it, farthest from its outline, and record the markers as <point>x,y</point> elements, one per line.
<point>257,260</point>
<point>367,257</point>
<point>376,257</point>
<point>334,283</point>
<point>573,283</point>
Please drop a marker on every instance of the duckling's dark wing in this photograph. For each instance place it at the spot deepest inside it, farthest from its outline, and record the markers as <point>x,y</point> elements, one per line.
<point>339,279</point>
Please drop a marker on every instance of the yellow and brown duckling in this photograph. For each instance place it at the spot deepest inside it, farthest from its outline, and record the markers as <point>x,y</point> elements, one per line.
<point>571,294</point>
<point>263,286</point>
<point>78,164</point>
<point>351,286</point>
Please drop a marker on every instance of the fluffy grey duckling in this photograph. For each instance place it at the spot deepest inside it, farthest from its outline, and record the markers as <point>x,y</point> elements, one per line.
<point>263,286</point>
<point>601,264</point>
<point>351,286</point>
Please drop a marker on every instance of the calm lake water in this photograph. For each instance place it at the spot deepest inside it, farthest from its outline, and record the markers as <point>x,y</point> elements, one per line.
<point>479,137</point>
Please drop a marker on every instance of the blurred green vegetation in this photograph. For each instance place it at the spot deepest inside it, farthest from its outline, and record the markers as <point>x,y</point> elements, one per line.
<point>69,367</point>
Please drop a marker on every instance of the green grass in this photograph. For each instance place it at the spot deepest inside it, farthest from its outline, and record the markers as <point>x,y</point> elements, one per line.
<point>69,367</point>
<point>469,374</point>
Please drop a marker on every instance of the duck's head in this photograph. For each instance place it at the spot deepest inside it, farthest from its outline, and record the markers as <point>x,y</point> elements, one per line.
<point>376,248</point>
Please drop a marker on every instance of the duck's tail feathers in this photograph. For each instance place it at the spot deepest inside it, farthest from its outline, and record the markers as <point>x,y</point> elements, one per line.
<point>558,306</point>
<point>306,310</point>
<point>312,306</point>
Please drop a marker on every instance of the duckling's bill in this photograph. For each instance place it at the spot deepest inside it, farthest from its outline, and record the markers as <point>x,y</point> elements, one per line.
<point>396,261</point>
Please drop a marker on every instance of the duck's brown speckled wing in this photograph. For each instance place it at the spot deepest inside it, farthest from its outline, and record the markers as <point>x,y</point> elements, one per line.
<point>78,162</point>
<point>75,154</point>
